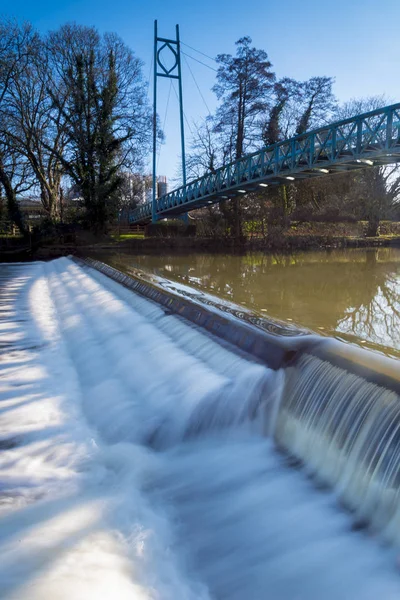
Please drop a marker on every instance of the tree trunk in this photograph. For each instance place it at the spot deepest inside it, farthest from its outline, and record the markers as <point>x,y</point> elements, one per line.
<point>61,205</point>
<point>12,204</point>
<point>237,221</point>
<point>373,226</point>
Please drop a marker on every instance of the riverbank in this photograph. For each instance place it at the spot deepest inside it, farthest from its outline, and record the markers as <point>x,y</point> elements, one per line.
<point>298,237</point>
<point>179,245</point>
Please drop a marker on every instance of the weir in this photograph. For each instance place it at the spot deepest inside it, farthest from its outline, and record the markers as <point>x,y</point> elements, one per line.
<point>180,447</point>
<point>333,406</point>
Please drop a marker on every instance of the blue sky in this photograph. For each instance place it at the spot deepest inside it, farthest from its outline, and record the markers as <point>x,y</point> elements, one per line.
<point>356,41</point>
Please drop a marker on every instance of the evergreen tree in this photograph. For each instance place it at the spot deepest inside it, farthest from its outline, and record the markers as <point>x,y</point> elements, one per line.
<point>244,86</point>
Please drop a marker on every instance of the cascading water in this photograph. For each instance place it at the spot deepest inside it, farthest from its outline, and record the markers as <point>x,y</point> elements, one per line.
<point>161,392</point>
<point>347,431</point>
<point>338,424</point>
<point>189,427</point>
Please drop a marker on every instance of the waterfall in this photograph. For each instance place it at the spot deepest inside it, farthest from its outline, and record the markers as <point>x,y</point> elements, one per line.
<point>346,430</point>
<point>324,409</point>
<point>176,433</point>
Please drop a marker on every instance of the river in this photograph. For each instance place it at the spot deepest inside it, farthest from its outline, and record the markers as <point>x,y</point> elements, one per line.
<point>141,459</point>
<point>351,294</point>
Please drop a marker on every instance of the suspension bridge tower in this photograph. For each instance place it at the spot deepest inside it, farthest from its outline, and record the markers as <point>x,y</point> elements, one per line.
<point>173,47</point>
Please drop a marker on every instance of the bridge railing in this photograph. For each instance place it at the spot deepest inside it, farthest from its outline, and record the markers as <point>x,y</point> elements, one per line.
<point>354,139</point>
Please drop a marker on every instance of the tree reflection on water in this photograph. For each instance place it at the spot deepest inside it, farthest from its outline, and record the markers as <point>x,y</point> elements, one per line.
<point>339,292</point>
<point>375,311</point>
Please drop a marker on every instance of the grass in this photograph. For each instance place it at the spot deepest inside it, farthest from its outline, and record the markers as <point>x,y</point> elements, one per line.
<point>127,236</point>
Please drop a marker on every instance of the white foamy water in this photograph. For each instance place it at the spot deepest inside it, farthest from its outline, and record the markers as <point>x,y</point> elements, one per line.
<point>135,461</point>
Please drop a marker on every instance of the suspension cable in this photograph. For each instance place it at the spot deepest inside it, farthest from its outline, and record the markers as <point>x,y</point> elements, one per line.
<point>200,62</point>
<point>149,78</point>
<point>165,120</point>
<point>199,52</point>
<point>197,85</point>
<point>184,114</point>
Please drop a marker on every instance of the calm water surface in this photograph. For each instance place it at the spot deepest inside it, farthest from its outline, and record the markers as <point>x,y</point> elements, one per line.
<point>351,294</point>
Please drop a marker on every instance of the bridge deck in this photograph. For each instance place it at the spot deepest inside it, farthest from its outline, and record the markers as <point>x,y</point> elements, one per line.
<point>109,482</point>
<point>364,140</point>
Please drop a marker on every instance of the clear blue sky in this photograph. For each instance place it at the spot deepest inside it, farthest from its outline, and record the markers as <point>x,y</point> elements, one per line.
<point>356,41</point>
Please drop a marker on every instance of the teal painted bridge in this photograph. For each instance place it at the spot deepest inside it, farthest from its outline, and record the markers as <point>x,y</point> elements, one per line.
<point>366,140</point>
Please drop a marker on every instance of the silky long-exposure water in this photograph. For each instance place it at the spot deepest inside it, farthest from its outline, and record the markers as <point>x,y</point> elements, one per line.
<point>143,458</point>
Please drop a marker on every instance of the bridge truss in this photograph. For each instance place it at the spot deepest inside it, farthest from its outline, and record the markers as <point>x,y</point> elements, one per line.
<point>366,140</point>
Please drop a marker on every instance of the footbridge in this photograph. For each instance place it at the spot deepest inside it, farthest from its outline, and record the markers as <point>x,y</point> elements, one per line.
<point>365,140</point>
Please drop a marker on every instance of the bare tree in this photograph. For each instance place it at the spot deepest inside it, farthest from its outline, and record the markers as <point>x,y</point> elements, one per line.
<point>15,50</point>
<point>357,106</point>
<point>16,178</point>
<point>204,155</point>
<point>98,90</point>
<point>370,193</point>
<point>378,190</point>
<point>318,103</point>
<point>276,126</point>
<point>33,125</point>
